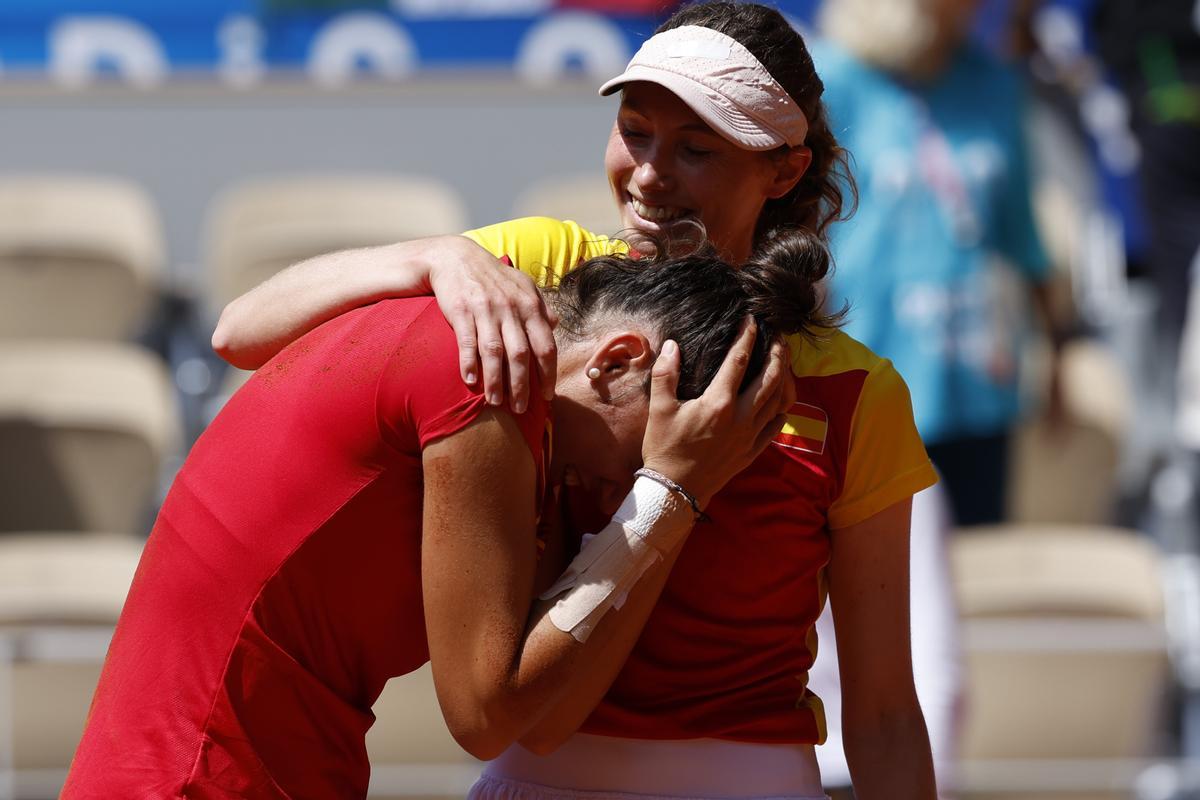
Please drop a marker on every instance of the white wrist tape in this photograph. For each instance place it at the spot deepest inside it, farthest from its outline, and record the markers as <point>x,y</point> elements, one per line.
<point>651,522</point>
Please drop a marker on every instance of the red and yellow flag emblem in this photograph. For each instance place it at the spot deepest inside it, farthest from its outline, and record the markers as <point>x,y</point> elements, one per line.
<point>805,429</point>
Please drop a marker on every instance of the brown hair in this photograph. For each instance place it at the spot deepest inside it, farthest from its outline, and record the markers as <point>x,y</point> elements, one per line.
<point>820,198</point>
<point>699,300</point>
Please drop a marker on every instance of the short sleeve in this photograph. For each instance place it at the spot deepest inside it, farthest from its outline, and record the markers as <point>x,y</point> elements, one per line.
<point>421,396</point>
<point>543,248</point>
<point>887,462</point>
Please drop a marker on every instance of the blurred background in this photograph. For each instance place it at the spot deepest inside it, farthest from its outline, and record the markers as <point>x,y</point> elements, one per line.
<point>158,159</point>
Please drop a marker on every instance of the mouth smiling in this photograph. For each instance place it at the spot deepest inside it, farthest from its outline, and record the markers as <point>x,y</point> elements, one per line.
<point>656,214</point>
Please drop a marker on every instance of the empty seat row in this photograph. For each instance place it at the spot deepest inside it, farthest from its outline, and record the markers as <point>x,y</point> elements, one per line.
<point>83,257</point>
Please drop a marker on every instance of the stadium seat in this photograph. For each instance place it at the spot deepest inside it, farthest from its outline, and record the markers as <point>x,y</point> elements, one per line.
<point>585,198</point>
<point>1068,473</point>
<point>80,257</point>
<point>1067,664</point>
<point>85,428</point>
<point>257,228</point>
<point>60,595</point>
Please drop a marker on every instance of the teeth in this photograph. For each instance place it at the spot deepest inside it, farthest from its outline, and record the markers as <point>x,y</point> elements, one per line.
<point>655,213</point>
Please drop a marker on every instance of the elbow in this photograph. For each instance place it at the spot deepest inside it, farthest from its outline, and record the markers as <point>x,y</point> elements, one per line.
<point>225,343</point>
<point>884,728</point>
<point>542,744</point>
<point>222,338</point>
<point>482,729</point>
<point>483,742</point>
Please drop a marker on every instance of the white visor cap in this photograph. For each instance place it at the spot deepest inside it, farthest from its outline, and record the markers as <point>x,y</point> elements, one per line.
<point>722,82</point>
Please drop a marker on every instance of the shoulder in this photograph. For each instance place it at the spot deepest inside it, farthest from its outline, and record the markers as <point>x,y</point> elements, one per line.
<point>833,352</point>
<point>564,235</point>
<point>421,395</point>
<point>544,247</point>
<point>848,373</point>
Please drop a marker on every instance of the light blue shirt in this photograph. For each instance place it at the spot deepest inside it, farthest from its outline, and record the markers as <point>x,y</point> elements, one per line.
<point>934,261</point>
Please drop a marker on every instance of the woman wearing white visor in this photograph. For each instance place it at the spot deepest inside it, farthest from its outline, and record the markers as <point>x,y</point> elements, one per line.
<point>720,123</point>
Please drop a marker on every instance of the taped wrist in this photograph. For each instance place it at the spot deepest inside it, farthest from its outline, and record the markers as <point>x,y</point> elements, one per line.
<point>650,523</point>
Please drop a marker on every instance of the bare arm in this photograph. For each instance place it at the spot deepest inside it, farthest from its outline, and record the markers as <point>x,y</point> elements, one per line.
<point>887,745</point>
<point>260,323</point>
<point>498,675</point>
<point>497,314</point>
<point>704,444</point>
<point>498,661</point>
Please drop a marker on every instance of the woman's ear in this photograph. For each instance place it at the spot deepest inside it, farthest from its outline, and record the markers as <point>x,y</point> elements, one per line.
<point>616,357</point>
<point>789,169</point>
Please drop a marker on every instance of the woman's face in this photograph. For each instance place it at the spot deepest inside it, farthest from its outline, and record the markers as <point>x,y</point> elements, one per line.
<point>600,446</point>
<point>600,418</point>
<point>665,165</point>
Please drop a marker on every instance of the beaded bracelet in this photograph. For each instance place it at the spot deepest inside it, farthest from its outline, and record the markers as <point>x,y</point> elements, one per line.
<point>658,477</point>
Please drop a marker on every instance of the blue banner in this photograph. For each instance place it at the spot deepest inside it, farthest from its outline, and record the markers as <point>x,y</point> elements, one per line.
<point>240,42</point>
<point>333,42</point>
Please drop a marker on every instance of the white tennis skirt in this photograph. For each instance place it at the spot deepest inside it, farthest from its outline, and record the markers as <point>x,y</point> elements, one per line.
<point>608,768</point>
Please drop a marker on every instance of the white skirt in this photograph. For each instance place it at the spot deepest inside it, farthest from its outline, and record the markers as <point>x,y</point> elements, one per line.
<point>608,768</point>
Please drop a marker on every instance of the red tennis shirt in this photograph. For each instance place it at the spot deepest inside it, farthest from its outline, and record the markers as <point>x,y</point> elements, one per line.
<point>280,588</point>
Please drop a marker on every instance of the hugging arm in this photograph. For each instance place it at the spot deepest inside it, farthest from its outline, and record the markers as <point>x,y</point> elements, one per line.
<point>499,319</point>
<point>887,745</point>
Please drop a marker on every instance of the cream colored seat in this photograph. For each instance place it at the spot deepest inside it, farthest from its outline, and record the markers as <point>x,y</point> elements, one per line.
<point>85,428</point>
<point>80,257</point>
<point>60,595</point>
<point>260,227</point>
<point>1067,664</point>
<point>1069,474</point>
<point>585,198</point>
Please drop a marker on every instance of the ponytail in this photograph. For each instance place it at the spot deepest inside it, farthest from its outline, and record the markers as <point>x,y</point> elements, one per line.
<point>782,283</point>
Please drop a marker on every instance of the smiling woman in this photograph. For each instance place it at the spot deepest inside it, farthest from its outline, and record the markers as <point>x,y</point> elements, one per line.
<point>666,166</point>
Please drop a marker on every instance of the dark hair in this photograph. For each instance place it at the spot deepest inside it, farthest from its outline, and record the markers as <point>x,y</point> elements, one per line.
<point>819,198</point>
<point>699,301</point>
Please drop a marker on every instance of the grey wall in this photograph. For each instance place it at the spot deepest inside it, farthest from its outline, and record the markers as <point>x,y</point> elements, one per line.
<point>487,137</point>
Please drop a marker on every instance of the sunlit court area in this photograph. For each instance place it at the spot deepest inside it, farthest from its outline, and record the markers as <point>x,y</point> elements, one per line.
<point>1024,249</point>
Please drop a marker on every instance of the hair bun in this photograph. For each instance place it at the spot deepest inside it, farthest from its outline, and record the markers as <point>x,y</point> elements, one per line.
<point>781,281</point>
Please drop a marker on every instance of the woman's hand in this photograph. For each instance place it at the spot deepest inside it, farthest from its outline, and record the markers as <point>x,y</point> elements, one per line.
<point>501,323</point>
<point>702,443</point>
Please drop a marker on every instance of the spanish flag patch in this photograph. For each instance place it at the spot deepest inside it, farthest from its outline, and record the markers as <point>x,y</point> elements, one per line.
<point>805,429</point>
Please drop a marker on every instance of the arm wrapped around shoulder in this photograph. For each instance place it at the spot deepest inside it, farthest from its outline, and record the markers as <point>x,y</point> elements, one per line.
<point>651,522</point>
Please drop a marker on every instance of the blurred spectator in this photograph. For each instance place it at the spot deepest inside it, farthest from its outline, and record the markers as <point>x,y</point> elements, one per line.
<point>1152,50</point>
<point>942,253</point>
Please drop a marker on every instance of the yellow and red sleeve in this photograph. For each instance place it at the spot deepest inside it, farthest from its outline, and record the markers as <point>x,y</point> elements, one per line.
<point>543,248</point>
<point>887,462</point>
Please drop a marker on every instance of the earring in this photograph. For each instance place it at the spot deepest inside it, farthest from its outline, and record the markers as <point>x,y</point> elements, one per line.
<point>594,373</point>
